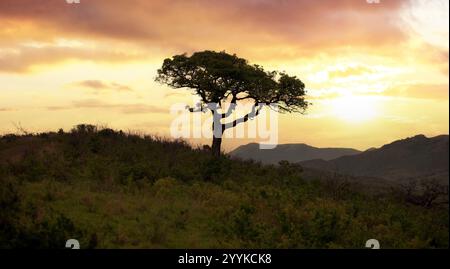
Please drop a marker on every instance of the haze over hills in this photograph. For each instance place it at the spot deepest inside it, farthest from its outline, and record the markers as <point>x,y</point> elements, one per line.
<point>290,152</point>
<point>414,157</point>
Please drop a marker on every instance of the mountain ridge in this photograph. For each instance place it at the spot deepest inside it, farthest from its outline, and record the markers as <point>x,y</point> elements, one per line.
<point>291,152</point>
<point>416,157</point>
<point>412,157</point>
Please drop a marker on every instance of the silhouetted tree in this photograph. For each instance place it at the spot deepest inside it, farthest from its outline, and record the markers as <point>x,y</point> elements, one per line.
<point>222,80</point>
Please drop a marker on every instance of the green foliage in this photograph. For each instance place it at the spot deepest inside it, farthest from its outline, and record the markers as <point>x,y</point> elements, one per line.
<point>217,75</point>
<point>114,190</point>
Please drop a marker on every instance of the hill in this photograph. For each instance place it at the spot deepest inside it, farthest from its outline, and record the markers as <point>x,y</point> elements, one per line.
<point>414,157</point>
<point>289,152</point>
<point>111,189</point>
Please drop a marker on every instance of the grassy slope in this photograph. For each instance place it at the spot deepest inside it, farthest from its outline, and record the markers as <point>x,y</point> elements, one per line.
<point>114,190</point>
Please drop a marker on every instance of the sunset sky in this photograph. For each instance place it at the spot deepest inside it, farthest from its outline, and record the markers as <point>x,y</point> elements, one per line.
<point>374,72</point>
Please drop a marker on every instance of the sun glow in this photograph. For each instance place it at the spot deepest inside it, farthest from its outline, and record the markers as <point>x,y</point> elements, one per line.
<point>354,109</point>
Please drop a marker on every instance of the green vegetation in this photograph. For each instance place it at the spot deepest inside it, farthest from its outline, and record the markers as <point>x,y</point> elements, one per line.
<point>109,189</point>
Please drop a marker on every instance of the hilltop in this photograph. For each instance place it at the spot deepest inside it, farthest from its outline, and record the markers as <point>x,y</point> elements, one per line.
<point>410,158</point>
<point>111,189</point>
<point>289,152</point>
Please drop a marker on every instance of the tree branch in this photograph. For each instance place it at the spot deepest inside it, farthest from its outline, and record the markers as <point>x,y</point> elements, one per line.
<point>254,113</point>
<point>231,108</point>
<point>201,107</point>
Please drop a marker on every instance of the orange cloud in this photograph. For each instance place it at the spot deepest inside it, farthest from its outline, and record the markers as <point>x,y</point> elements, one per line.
<point>134,108</point>
<point>100,85</point>
<point>350,71</point>
<point>21,58</point>
<point>237,26</point>
<point>419,90</point>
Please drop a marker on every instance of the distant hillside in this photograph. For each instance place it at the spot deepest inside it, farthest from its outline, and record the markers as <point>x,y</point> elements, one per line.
<point>414,157</point>
<point>289,152</point>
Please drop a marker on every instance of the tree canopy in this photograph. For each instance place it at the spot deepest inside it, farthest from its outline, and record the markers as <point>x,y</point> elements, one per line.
<point>219,76</point>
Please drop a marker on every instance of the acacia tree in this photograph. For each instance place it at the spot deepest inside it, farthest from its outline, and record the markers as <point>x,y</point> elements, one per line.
<point>222,80</point>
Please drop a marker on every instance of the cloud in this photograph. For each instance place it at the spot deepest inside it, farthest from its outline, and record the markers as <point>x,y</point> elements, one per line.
<point>100,85</point>
<point>436,56</point>
<point>349,71</point>
<point>56,108</point>
<point>125,108</point>
<point>419,90</point>
<point>262,31</point>
<point>24,57</point>
<point>135,108</point>
<point>175,93</point>
<point>253,27</point>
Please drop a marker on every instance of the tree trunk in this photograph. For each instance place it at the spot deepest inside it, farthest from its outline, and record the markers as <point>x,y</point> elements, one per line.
<point>218,130</point>
<point>215,149</point>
